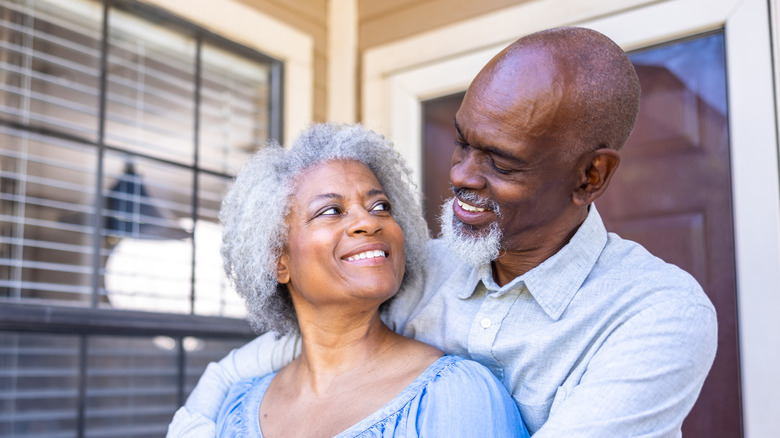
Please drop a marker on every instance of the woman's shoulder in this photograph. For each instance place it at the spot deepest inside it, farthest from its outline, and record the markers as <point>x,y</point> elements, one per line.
<point>463,398</point>
<point>243,387</point>
<point>453,377</point>
<point>465,370</point>
<point>242,400</point>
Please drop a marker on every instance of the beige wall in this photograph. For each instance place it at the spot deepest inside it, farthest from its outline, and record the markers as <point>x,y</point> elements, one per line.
<point>379,22</point>
<point>310,17</point>
<point>384,21</point>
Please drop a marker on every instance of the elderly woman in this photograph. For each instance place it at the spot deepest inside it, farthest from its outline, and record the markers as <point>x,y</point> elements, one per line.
<point>316,239</point>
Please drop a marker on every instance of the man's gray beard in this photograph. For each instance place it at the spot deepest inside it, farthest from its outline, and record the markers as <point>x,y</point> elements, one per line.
<point>475,250</point>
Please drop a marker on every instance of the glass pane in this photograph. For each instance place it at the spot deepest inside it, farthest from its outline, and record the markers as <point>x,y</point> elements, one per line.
<point>234,109</point>
<point>132,386</point>
<point>47,196</point>
<point>39,377</point>
<point>213,293</point>
<point>148,253</point>
<point>151,86</point>
<point>50,64</point>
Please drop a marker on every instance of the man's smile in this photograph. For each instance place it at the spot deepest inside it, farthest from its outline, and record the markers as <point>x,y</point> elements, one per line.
<point>469,207</point>
<point>472,215</point>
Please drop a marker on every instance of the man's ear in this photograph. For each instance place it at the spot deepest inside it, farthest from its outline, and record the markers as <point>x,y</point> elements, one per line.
<point>597,172</point>
<point>282,272</point>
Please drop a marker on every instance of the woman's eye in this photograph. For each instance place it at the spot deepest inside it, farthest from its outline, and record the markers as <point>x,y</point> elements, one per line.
<point>330,211</point>
<point>381,206</point>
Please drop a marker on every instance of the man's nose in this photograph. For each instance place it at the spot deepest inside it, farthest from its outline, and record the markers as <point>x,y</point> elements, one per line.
<point>466,171</point>
<point>361,221</point>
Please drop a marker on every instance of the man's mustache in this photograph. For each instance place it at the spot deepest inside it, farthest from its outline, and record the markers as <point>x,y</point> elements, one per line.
<point>470,196</point>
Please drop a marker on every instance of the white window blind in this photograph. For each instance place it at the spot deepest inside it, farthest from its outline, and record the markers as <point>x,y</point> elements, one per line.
<point>121,128</point>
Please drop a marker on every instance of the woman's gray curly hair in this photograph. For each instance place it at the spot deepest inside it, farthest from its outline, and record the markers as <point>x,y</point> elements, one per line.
<point>255,209</point>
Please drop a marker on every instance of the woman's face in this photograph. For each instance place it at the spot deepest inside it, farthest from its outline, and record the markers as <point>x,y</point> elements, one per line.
<point>344,245</point>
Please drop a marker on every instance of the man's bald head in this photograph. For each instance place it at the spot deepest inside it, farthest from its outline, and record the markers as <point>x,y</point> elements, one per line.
<point>571,85</point>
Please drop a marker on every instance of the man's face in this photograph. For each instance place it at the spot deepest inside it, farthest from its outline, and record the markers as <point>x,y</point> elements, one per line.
<point>507,158</point>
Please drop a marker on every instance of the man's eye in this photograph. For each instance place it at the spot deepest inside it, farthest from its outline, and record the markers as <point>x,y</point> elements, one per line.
<point>500,169</point>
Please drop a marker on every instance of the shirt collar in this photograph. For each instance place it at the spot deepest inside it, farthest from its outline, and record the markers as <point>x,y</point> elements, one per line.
<point>553,283</point>
<point>482,273</point>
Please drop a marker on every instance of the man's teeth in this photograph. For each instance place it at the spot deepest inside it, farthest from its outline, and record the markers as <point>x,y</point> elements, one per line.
<point>367,255</point>
<point>468,207</point>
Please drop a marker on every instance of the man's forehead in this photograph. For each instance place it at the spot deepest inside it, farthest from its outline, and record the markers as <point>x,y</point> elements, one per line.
<point>501,144</point>
<point>524,116</point>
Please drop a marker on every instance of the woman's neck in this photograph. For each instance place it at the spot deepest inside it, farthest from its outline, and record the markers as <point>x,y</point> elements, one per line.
<point>333,348</point>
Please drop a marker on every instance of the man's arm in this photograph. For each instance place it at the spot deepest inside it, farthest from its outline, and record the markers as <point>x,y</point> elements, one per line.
<point>259,357</point>
<point>644,379</point>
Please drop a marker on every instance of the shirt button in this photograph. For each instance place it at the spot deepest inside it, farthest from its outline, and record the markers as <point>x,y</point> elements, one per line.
<point>486,322</point>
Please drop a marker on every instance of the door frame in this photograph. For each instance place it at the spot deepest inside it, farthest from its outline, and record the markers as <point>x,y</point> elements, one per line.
<point>397,77</point>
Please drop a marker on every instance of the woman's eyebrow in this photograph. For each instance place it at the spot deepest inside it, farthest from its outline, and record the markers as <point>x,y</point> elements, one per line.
<point>328,196</point>
<point>372,192</point>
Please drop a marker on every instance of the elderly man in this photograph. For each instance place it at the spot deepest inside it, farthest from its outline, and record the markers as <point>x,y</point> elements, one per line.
<point>590,333</point>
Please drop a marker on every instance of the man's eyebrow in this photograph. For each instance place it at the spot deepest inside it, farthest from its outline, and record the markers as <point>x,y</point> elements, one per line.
<point>374,192</point>
<point>491,149</point>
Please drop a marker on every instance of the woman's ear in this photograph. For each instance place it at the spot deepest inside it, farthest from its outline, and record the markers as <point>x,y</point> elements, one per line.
<point>282,272</point>
<point>597,174</point>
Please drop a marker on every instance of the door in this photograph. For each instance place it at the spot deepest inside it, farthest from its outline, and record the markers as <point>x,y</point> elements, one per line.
<point>672,194</point>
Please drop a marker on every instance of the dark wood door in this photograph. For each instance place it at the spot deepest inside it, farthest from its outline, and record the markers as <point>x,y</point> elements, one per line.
<point>672,194</point>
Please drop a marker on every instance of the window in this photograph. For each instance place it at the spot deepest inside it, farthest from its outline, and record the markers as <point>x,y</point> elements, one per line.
<point>121,127</point>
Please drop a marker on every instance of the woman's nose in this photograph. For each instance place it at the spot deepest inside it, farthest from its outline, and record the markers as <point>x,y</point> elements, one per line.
<point>362,222</point>
<point>465,171</point>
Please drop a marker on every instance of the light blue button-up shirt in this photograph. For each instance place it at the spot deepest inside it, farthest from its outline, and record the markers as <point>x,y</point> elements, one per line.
<point>601,340</point>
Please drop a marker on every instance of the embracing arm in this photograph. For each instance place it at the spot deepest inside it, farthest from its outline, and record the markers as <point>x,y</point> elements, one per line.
<point>644,379</point>
<point>259,357</point>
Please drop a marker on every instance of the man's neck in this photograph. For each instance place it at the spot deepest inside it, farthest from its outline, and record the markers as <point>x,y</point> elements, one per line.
<point>511,264</point>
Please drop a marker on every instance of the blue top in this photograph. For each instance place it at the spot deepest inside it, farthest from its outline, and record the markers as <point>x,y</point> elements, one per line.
<point>453,397</point>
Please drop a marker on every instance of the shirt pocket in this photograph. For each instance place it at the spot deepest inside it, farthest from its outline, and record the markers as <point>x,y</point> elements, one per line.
<point>536,414</point>
<point>560,395</point>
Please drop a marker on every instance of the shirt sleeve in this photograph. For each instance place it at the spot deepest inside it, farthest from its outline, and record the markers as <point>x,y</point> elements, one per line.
<point>466,400</point>
<point>263,355</point>
<point>644,379</point>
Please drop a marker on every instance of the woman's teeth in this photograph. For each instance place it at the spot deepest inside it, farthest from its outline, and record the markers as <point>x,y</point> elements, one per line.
<point>470,208</point>
<point>367,255</point>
